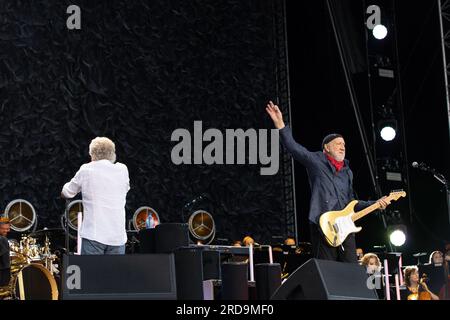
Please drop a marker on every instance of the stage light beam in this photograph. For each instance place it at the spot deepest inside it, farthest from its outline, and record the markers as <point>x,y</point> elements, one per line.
<point>379,32</point>
<point>397,237</point>
<point>388,133</point>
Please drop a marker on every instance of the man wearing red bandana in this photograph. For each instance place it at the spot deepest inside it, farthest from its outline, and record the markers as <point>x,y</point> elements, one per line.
<point>331,182</point>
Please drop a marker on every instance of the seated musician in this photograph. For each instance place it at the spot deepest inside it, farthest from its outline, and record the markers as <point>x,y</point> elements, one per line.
<point>416,289</point>
<point>435,271</point>
<point>444,293</point>
<point>436,258</point>
<point>5,267</point>
<point>291,246</point>
<point>289,242</point>
<point>359,254</point>
<point>371,262</point>
<point>247,241</point>
<point>237,243</point>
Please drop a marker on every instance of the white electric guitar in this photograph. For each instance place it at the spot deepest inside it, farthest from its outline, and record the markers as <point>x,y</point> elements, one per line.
<point>337,225</point>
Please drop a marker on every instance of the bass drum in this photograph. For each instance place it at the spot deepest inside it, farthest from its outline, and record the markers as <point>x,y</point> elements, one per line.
<point>33,282</point>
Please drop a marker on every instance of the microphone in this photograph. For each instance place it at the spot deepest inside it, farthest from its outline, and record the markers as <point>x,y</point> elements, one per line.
<point>420,166</point>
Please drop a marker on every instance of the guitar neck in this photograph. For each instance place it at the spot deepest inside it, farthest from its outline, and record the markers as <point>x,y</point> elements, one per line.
<point>360,214</point>
<point>392,197</point>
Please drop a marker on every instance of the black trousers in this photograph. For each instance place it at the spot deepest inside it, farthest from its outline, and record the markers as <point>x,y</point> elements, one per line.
<point>322,250</point>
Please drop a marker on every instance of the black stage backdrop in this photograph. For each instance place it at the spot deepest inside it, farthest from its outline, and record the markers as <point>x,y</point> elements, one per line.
<point>136,71</point>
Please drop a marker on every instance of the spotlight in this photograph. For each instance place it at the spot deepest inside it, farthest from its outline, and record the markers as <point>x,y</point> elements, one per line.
<point>397,235</point>
<point>379,32</point>
<point>388,129</point>
<point>388,133</point>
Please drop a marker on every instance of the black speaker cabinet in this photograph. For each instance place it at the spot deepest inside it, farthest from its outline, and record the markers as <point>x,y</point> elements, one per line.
<point>268,279</point>
<point>234,281</point>
<point>171,236</point>
<point>193,266</point>
<point>189,271</point>
<point>211,265</point>
<point>326,280</point>
<point>136,276</point>
<point>147,240</point>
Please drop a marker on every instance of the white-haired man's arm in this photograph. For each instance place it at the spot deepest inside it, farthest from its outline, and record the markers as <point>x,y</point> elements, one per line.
<point>127,178</point>
<point>73,187</point>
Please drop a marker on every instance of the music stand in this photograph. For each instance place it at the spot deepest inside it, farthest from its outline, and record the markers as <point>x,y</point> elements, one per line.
<point>418,255</point>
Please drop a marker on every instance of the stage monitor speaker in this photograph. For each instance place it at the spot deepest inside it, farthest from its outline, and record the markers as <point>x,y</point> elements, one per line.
<point>326,280</point>
<point>189,271</point>
<point>193,266</point>
<point>112,277</point>
<point>234,281</point>
<point>171,236</point>
<point>268,279</point>
<point>211,265</point>
<point>147,240</point>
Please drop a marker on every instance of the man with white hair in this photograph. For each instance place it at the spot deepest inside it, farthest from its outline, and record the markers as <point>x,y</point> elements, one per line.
<point>103,185</point>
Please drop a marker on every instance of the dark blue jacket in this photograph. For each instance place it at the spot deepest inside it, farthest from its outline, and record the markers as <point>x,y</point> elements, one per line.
<point>330,190</point>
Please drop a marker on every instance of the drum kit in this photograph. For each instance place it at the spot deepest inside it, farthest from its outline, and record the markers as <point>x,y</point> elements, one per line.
<point>33,268</point>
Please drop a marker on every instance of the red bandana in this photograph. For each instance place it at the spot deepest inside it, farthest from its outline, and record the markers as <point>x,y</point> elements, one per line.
<point>337,164</point>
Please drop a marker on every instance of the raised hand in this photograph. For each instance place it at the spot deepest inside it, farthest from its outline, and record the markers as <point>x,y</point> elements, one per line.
<point>275,114</point>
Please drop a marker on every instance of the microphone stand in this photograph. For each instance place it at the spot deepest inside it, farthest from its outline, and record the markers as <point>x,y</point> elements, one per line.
<point>189,205</point>
<point>182,211</point>
<point>447,193</point>
<point>441,178</point>
<point>66,226</point>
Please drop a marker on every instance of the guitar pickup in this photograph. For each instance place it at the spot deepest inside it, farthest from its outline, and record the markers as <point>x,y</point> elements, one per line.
<point>336,228</point>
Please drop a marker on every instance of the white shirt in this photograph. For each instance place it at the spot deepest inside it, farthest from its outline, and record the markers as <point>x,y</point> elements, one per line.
<point>104,187</point>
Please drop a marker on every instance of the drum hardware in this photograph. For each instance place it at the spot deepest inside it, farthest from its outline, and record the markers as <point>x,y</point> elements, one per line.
<point>48,257</point>
<point>28,251</point>
<point>24,280</point>
<point>132,240</point>
<point>32,266</point>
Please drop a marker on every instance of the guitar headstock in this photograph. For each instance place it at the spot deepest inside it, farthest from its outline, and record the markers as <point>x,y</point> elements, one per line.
<point>397,194</point>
